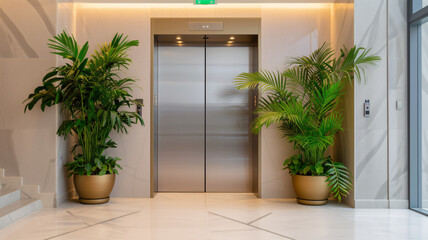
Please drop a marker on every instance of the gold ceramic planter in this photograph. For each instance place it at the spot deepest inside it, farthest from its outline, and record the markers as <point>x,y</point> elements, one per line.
<point>94,189</point>
<point>311,190</point>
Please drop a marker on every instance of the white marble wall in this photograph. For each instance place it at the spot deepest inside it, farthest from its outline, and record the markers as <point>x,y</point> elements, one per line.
<point>98,25</point>
<point>381,140</point>
<point>397,94</point>
<point>342,34</point>
<point>285,33</point>
<point>27,141</point>
<point>66,20</point>
<point>371,139</point>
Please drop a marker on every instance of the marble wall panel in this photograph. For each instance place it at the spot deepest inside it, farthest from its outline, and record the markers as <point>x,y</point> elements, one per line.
<point>65,186</point>
<point>285,33</point>
<point>342,35</point>
<point>98,25</point>
<point>25,26</point>
<point>27,141</point>
<point>371,149</point>
<point>398,103</point>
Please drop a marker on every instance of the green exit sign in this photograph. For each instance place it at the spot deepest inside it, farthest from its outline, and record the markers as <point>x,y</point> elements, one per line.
<point>204,2</point>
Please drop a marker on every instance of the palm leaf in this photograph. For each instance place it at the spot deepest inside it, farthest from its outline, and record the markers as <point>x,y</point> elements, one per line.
<point>339,179</point>
<point>93,94</point>
<point>302,102</point>
<point>263,80</point>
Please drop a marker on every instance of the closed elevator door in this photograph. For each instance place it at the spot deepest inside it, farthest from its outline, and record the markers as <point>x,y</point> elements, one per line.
<point>204,144</point>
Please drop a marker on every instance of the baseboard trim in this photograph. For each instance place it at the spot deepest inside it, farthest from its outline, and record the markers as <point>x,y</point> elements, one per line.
<point>349,201</point>
<point>424,203</point>
<point>398,204</point>
<point>65,197</point>
<point>382,203</point>
<point>371,203</point>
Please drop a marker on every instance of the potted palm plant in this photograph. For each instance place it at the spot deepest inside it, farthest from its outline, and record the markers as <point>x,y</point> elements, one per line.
<point>94,96</point>
<point>303,101</point>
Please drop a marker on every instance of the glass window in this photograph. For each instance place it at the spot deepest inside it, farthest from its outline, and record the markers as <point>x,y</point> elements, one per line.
<point>423,51</point>
<point>418,106</point>
<point>419,4</point>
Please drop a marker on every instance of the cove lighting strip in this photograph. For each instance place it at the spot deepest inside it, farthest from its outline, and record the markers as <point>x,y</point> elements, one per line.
<point>218,5</point>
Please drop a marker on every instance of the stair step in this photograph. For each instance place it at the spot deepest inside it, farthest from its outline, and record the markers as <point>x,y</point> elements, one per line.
<point>11,182</point>
<point>48,200</point>
<point>17,210</point>
<point>8,196</point>
<point>30,191</point>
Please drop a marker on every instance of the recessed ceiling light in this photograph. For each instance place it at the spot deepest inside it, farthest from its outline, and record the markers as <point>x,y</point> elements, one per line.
<point>178,38</point>
<point>232,38</point>
<point>230,42</point>
<point>179,42</point>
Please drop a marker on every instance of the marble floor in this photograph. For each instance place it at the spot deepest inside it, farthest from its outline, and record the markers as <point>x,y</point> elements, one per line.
<point>217,217</point>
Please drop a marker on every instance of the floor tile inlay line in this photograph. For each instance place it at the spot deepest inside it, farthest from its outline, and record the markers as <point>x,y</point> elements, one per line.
<point>257,219</point>
<point>259,228</point>
<point>80,220</point>
<point>91,225</point>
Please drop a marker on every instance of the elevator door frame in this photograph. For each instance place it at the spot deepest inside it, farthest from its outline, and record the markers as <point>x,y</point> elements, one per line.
<point>179,26</point>
<point>253,142</point>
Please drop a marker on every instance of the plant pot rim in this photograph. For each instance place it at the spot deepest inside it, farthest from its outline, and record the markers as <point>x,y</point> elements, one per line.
<point>95,175</point>
<point>308,176</point>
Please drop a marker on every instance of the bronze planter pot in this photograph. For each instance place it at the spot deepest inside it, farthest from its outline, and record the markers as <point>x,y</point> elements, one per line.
<point>94,189</point>
<point>311,190</point>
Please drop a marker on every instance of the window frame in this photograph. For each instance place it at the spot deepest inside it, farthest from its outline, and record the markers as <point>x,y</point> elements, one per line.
<point>415,21</point>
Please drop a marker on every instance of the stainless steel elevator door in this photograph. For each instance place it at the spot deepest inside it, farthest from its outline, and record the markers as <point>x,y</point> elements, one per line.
<point>181,73</point>
<point>203,141</point>
<point>228,116</point>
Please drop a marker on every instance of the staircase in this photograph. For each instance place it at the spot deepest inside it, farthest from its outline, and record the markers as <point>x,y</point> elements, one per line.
<point>18,200</point>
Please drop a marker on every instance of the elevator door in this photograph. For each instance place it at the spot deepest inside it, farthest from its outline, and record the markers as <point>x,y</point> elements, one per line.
<point>204,144</point>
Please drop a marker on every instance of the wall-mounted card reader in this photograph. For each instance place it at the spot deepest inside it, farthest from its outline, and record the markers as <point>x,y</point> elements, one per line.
<point>367,108</point>
<point>140,107</point>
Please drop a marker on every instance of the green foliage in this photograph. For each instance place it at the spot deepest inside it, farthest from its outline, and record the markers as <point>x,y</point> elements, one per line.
<point>302,101</point>
<point>297,166</point>
<point>95,97</point>
<point>339,179</point>
<point>100,166</point>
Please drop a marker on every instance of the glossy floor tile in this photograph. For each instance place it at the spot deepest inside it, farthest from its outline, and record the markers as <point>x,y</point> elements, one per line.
<point>216,217</point>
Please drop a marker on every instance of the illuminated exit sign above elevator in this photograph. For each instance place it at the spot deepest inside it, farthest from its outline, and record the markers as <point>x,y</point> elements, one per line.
<point>204,2</point>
